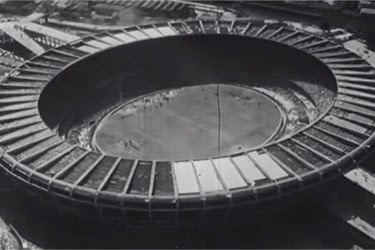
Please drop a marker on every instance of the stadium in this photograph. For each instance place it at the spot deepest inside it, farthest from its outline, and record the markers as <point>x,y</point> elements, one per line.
<point>185,123</point>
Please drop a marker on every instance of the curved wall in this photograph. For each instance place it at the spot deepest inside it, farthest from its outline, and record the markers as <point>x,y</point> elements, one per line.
<point>134,69</point>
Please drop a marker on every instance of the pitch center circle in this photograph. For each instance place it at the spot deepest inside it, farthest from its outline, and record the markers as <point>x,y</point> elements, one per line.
<point>194,122</point>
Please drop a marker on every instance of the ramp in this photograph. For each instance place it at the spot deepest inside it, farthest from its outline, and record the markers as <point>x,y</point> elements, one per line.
<point>22,38</point>
<point>46,31</point>
<point>33,17</point>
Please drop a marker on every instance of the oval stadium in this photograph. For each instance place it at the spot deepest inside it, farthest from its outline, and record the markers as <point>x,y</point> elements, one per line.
<point>185,123</point>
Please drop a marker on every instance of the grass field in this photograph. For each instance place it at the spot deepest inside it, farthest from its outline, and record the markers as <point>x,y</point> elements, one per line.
<point>184,123</point>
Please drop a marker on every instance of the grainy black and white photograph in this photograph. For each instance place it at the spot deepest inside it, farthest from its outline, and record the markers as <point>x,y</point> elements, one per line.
<point>166,124</point>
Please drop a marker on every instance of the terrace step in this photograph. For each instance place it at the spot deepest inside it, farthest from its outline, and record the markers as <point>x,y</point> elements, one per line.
<point>37,71</point>
<point>370,74</point>
<point>19,92</point>
<point>22,85</point>
<point>350,66</point>
<point>268,166</point>
<point>342,60</point>
<point>78,169</point>
<point>353,117</point>
<point>317,47</point>
<point>337,128</point>
<point>345,125</point>
<point>355,108</point>
<point>356,86</point>
<point>6,127</point>
<point>44,65</point>
<point>49,155</point>
<point>66,159</point>
<point>355,79</point>
<point>357,93</point>
<point>311,158</point>
<point>22,133</point>
<point>19,99</point>
<point>15,107</point>
<point>18,115</point>
<point>339,145</point>
<point>332,54</point>
<point>97,176</point>
<point>38,149</point>
<point>290,159</point>
<point>206,175</point>
<point>119,178</point>
<point>58,59</point>
<point>28,141</point>
<point>319,147</point>
<point>356,101</point>
<point>25,77</point>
